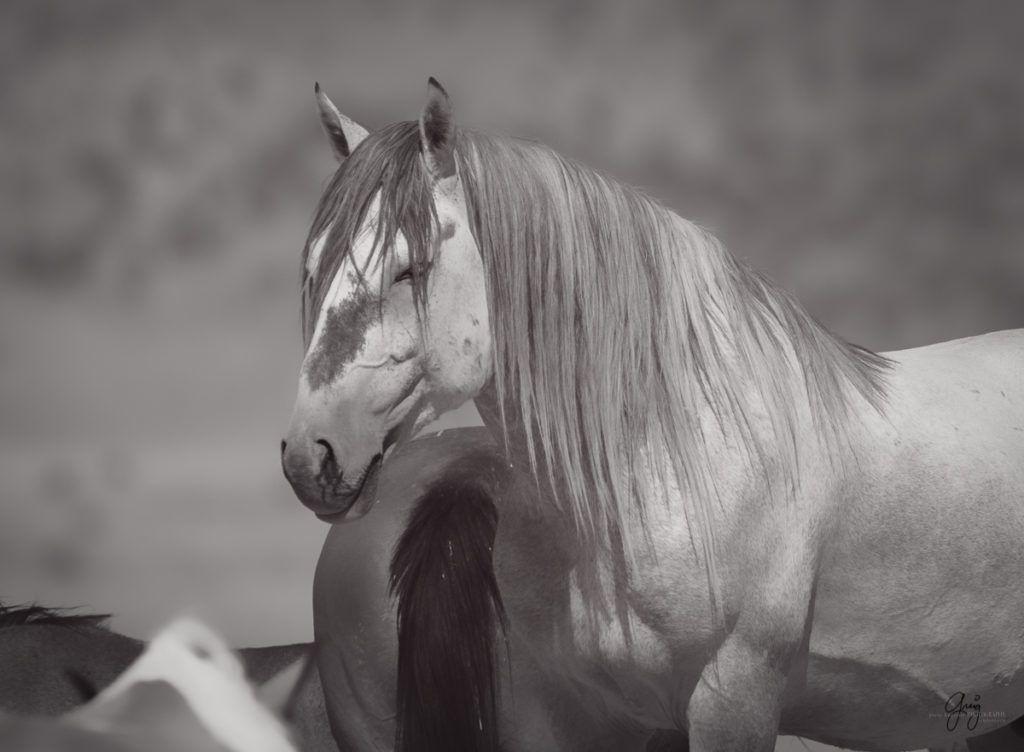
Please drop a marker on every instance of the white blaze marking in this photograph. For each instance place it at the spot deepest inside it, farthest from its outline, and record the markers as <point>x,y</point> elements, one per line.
<point>345,283</point>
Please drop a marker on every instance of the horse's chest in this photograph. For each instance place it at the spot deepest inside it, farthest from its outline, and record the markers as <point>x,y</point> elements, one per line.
<point>638,643</point>
<point>613,632</point>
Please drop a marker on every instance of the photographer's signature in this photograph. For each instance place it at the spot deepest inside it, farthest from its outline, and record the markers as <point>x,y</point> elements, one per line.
<point>961,706</point>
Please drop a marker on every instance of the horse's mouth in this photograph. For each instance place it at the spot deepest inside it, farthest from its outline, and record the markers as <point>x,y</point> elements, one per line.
<point>393,438</point>
<point>366,486</point>
<point>362,497</point>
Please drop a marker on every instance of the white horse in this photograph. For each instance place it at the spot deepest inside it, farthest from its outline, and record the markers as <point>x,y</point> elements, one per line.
<point>187,691</point>
<point>776,532</point>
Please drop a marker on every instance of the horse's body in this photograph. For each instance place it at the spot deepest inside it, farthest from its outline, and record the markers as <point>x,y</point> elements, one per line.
<point>354,608</point>
<point>746,526</point>
<point>918,593</point>
<point>898,579</point>
<point>50,662</point>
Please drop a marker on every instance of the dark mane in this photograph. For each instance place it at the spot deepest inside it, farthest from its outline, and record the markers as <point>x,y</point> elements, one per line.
<point>17,616</point>
<point>450,613</point>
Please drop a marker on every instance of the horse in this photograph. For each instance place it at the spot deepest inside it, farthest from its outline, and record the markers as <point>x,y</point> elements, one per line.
<point>773,531</point>
<point>52,661</point>
<point>186,690</point>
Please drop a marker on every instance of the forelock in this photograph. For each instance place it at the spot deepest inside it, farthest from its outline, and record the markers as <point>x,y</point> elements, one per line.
<point>387,163</point>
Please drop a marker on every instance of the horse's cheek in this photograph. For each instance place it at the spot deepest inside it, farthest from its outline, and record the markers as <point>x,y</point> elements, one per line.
<point>483,356</point>
<point>472,347</point>
<point>399,337</point>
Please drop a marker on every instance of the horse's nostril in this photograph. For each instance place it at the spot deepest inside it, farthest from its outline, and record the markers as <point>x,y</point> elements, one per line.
<point>284,445</point>
<point>329,462</point>
<point>328,449</point>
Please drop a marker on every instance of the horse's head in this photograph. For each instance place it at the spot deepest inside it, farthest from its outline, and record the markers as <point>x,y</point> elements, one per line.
<point>395,305</point>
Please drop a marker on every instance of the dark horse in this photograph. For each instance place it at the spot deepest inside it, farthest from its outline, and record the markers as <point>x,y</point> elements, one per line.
<point>427,564</point>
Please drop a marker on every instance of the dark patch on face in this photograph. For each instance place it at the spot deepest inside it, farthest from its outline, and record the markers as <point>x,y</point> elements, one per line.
<point>343,337</point>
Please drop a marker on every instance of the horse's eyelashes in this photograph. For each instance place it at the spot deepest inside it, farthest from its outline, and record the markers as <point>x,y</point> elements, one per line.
<point>407,274</point>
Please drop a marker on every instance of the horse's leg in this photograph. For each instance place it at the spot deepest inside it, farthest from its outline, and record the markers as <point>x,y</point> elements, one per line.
<point>738,700</point>
<point>1008,738</point>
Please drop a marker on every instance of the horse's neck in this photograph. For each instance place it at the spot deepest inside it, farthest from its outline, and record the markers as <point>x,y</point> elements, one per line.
<point>721,435</point>
<point>509,433</point>
<point>528,513</point>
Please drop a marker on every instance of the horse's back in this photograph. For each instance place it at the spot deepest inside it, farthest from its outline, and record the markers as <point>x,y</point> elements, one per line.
<point>960,407</point>
<point>42,665</point>
<point>993,358</point>
<point>919,591</point>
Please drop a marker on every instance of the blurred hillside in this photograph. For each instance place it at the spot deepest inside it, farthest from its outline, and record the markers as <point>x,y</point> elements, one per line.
<point>825,141</point>
<point>159,163</point>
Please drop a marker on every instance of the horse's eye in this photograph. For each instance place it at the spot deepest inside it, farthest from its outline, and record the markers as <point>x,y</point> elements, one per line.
<point>406,273</point>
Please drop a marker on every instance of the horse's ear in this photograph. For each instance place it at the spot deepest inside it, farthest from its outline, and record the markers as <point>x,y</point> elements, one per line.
<point>344,134</point>
<point>437,132</point>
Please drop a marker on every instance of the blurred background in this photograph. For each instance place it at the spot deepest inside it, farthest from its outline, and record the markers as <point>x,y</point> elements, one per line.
<point>159,164</point>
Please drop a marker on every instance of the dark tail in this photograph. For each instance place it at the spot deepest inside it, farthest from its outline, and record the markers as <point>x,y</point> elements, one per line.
<point>450,612</point>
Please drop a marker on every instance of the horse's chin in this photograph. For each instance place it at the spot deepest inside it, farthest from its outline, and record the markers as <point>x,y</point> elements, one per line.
<point>356,504</point>
<point>361,501</point>
<point>364,496</point>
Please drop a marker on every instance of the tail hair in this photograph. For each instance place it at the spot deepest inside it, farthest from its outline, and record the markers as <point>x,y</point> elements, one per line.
<point>450,612</point>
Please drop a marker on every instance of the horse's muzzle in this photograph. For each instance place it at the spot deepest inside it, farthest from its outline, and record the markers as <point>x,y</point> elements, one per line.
<point>318,480</point>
